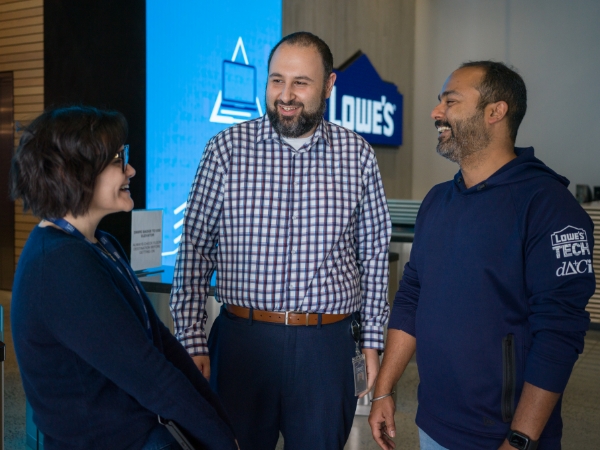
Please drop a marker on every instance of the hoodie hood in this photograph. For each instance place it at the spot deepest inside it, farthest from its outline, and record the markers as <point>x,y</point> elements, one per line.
<point>525,166</point>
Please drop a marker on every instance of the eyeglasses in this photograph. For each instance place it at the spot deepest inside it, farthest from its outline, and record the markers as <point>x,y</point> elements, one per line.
<point>124,155</point>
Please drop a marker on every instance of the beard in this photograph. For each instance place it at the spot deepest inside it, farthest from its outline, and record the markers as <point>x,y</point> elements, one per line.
<point>467,137</point>
<point>293,127</point>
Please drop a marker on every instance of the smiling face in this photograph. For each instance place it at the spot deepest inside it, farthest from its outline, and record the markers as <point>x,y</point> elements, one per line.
<point>460,123</point>
<point>296,90</point>
<point>111,192</point>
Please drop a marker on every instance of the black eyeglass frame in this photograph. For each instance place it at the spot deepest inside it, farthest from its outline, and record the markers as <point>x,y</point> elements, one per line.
<point>124,155</point>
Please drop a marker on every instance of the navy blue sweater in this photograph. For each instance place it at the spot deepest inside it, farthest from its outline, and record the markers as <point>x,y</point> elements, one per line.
<point>495,294</point>
<point>90,372</point>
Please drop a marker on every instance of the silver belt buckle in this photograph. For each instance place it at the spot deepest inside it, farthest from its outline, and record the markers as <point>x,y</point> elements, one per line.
<point>295,312</point>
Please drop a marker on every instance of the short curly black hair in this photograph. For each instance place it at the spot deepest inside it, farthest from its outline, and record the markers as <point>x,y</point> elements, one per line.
<point>59,157</point>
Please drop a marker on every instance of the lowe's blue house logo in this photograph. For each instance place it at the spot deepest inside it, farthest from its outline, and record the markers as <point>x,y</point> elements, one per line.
<point>363,102</point>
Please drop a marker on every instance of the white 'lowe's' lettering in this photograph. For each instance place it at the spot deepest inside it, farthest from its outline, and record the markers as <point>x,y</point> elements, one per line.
<point>570,241</point>
<point>363,115</point>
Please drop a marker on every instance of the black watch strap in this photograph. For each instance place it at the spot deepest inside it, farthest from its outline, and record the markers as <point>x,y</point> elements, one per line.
<point>521,441</point>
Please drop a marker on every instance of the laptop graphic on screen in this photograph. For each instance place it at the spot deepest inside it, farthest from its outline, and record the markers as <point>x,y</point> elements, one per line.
<point>239,86</point>
<point>237,100</point>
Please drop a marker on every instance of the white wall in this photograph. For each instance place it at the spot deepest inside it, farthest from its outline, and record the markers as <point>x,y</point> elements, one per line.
<point>553,44</point>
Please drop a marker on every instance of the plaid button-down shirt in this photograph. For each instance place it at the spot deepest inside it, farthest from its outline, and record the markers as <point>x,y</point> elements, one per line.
<point>286,230</point>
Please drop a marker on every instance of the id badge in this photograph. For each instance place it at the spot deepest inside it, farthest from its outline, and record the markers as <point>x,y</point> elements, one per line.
<point>360,374</point>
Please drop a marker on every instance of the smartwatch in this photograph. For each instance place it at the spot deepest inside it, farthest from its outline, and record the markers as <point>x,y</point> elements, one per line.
<point>521,441</point>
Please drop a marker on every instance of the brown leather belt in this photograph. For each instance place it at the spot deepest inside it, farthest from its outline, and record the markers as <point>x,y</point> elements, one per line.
<point>287,317</point>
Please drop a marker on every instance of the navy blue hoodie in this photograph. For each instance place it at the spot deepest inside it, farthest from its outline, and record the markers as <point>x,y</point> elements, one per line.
<point>495,294</point>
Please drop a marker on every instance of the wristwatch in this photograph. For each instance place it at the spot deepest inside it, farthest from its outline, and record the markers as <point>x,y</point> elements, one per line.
<point>521,441</point>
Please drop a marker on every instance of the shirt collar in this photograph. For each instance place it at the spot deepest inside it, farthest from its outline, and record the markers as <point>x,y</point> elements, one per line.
<point>267,132</point>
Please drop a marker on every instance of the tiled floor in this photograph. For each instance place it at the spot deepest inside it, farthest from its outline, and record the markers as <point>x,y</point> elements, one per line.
<point>581,403</point>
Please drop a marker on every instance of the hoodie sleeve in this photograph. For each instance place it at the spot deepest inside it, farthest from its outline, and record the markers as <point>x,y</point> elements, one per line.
<point>404,311</point>
<point>559,280</point>
<point>403,315</point>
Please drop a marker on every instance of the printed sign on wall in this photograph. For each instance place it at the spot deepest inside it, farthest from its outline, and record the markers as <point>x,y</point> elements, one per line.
<point>361,101</point>
<point>146,238</point>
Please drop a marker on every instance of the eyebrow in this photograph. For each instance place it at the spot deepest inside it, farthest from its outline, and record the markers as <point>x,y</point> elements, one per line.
<point>447,93</point>
<point>301,77</point>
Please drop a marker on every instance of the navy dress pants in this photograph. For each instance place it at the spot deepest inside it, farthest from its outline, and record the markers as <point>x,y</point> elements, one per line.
<point>293,379</point>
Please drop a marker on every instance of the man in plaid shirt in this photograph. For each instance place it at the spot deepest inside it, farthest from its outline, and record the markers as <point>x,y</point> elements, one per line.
<point>290,211</point>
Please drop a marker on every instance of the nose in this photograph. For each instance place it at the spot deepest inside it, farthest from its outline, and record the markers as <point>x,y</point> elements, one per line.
<point>437,112</point>
<point>129,171</point>
<point>286,94</point>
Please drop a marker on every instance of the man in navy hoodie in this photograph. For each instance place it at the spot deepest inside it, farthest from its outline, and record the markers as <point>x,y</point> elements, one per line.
<point>493,298</point>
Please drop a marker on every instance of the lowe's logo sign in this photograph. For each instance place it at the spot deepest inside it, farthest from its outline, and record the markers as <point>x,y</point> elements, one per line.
<point>363,102</point>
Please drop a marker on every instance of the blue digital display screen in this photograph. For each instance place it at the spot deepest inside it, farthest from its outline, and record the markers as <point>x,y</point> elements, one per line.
<point>206,69</point>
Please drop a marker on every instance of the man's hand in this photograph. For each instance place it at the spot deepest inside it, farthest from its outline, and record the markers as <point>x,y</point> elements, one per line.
<point>203,364</point>
<point>382,422</point>
<point>372,362</point>
<point>398,351</point>
<point>505,446</point>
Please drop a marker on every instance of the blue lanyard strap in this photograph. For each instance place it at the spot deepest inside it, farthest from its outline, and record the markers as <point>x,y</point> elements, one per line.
<point>122,266</point>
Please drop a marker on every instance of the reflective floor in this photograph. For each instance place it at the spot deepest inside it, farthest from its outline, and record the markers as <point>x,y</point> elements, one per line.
<point>581,403</point>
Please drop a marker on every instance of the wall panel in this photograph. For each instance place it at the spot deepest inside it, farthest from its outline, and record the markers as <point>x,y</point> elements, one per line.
<point>384,30</point>
<point>34,13</point>
<point>21,51</point>
<point>552,44</point>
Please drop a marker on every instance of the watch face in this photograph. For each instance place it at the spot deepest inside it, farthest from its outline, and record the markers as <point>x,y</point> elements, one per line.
<point>518,441</point>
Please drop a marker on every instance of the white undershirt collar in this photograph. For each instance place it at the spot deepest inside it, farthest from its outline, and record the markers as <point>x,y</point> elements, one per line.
<point>297,142</point>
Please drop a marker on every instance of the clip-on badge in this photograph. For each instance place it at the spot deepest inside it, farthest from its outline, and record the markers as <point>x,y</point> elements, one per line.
<point>359,364</point>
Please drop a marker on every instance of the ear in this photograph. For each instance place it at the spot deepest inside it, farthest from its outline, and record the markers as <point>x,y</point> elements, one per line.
<point>496,111</point>
<point>329,84</point>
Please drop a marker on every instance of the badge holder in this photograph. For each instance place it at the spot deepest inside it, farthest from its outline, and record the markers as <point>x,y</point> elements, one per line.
<point>359,364</point>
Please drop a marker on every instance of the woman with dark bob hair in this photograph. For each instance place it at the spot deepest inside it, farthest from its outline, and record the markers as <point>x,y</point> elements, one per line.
<point>98,366</point>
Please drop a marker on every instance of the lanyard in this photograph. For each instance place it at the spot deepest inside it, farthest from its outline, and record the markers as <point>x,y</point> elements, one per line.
<point>122,266</point>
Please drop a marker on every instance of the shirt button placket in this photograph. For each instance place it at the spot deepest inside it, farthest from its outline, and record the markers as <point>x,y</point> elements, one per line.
<point>293,225</point>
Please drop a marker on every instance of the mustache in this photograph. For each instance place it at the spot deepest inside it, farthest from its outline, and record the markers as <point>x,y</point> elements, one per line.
<point>290,103</point>
<point>441,123</point>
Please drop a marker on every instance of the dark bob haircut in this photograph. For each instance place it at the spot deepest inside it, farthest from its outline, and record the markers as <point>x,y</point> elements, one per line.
<point>306,39</point>
<point>501,83</point>
<point>59,157</point>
